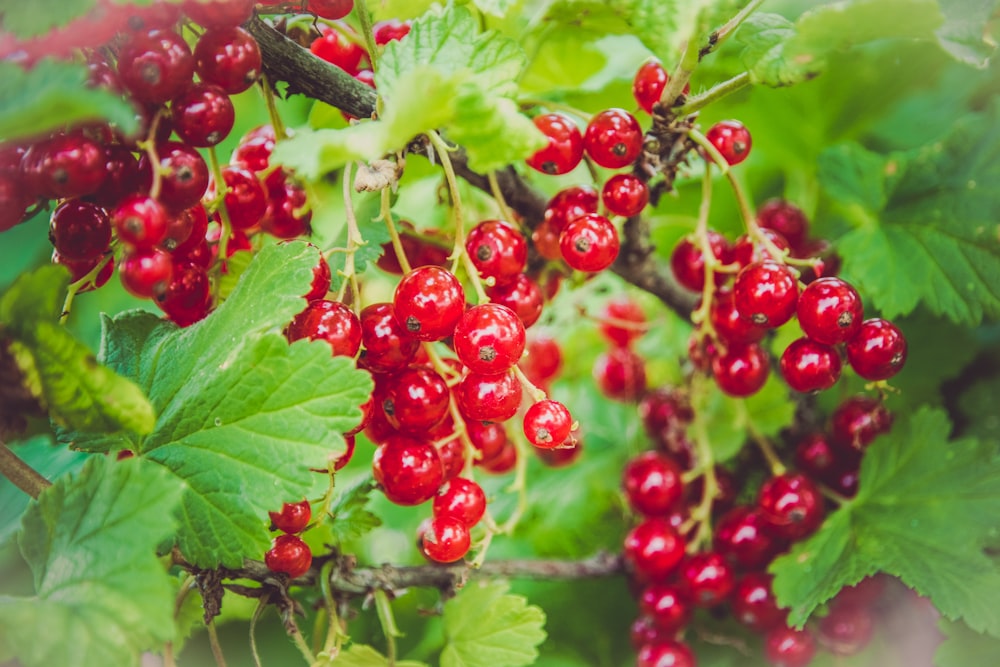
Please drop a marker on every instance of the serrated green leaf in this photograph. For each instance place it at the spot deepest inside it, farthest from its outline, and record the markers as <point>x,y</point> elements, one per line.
<point>486,627</point>
<point>243,414</point>
<point>780,53</point>
<point>924,510</point>
<point>360,655</point>
<point>102,595</point>
<point>235,266</point>
<point>348,517</point>
<point>964,647</point>
<point>852,175</point>
<point>53,95</point>
<point>935,242</point>
<point>964,33</point>
<point>76,390</point>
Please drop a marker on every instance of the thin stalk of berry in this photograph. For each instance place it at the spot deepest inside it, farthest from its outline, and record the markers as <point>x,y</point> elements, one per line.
<point>149,146</point>
<point>272,108</point>
<point>679,78</point>
<point>257,613</point>
<point>354,241</point>
<point>701,317</point>
<point>182,594</point>
<point>534,392</point>
<point>84,280</point>
<point>520,483</point>
<point>299,640</point>
<point>556,106</point>
<point>20,473</point>
<point>383,607</point>
<point>213,640</point>
<point>397,244</point>
<point>335,635</point>
<point>367,31</point>
<point>220,204</point>
<point>505,211</point>
<point>458,255</point>
<point>701,515</point>
<point>762,441</point>
<point>713,94</point>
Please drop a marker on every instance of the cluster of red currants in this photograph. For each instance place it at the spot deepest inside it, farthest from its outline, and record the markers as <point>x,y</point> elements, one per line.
<point>289,554</point>
<point>672,575</point>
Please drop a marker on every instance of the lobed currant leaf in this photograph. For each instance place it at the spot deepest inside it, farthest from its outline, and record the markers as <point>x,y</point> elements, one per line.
<point>484,626</point>
<point>350,519</point>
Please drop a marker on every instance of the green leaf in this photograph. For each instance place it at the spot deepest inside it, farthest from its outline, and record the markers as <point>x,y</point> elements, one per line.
<point>102,595</point>
<point>486,627</point>
<point>349,518</point>
<point>498,8</point>
<point>965,648</point>
<point>360,655</point>
<point>925,508</point>
<point>37,18</point>
<point>53,95</point>
<point>780,53</point>
<point>934,241</point>
<point>727,419</point>
<point>243,414</point>
<point>964,33</point>
<point>852,175</point>
<point>77,391</point>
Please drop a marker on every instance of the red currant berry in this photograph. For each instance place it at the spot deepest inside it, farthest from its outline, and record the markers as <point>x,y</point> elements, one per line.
<point>786,219</point>
<point>652,483</point>
<point>146,272</point>
<point>155,66</point>
<point>613,138</point>
<point>185,231</point>
<point>461,498</point>
<point>293,517</point>
<point>489,338</point>
<point>504,462</point>
<point>246,201</point>
<point>219,13</point>
<point>569,204</point>
<point>452,453</point>
<point>428,303</point>
<point>340,50</point>
<point>625,194</point>
<point>653,549</point>
<point>498,251</point>
<point>203,115</point>
<point>731,139</point>
<point>665,414</point>
<point>70,165</point>
<point>444,539</point>
<point>810,366</point>
<point>415,400</point>
<point>747,250</point>
<point>707,578</point>
<point>80,231</point>
<point>791,504</point>
<point>858,420</point>
<point>688,263</point>
<point>816,455</point>
<point>487,437</point>
<point>547,424</point>
<point>666,653</point>
<point>493,397</point>
<point>644,631</point>
<point>331,10</point>
<point>846,629</point>
<point>622,320</point>
<point>766,293</point>
<point>650,80</point>
<point>123,177</point>
<point>408,470</point>
<point>254,150</point>
<point>188,297</point>
<point>565,145</point>
<point>523,296</point>
<point>546,240</point>
<point>786,647</point>
<point>140,221</point>
<point>727,322</point>
<point>666,606</point>
<point>387,346</point>
<point>183,175</point>
<point>228,58</point>
<point>390,31</point>
<point>620,374</point>
<point>877,351</point>
<point>830,311</point>
<point>589,243</point>
<point>744,536</point>
<point>753,603</point>
<point>289,555</point>
<point>742,370</point>
<point>330,321</point>
<point>341,462</point>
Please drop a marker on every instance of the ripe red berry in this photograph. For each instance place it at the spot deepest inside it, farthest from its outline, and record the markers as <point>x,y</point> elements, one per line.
<point>497,250</point>
<point>622,320</point>
<point>569,204</point>
<point>489,338</point>
<point>245,200</point>
<point>523,296</point>
<point>254,150</point>
<point>293,517</point>
<point>727,322</point>
<point>786,647</point>
<point>786,219</point>
<point>858,420</point>
<point>625,194</point>
<point>391,30</point>
<point>203,115</point>
<point>183,175</point>
<point>565,145</point>
<point>219,13</point>
<point>613,138</point>
<point>748,249</point>
<point>140,221</point>
<point>428,303</point>
<point>388,347</point>
<point>461,498</point>
<point>79,230</point>
<point>652,483</point>
<point>810,366</point>
<point>489,397</point>
<point>877,351</point>
<point>188,297</point>
<point>620,374</point>
<point>744,536</point>
<point>654,549</point>
<point>754,605</point>
<point>742,370</point>
<point>731,139</point>
<point>547,424</point>
<point>846,629</point>
<point>408,470</point>
<point>331,10</point>
<point>589,243</point>
<point>444,539</point>
<point>289,555</point>
<point>766,293</point>
<point>340,50</point>
<point>665,653</point>
<point>830,311</point>
<point>707,578</point>
<point>791,504</point>
<point>228,58</point>
<point>415,400</point>
<point>330,321</point>
<point>688,263</point>
<point>648,85</point>
<point>69,165</point>
<point>146,272</point>
<point>667,606</point>
<point>155,66</point>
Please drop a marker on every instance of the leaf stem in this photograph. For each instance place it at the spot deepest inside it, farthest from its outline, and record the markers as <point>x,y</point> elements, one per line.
<point>213,640</point>
<point>716,92</point>
<point>717,38</point>
<point>20,473</point>
<point>383,608</point>
<point>682,74</point>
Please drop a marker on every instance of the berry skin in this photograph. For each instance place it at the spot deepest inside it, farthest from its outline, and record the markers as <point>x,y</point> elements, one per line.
<point>613,138</point>
<point>188,297</point>
<point>289,555</point>
<point>246,201</point>
<point>523,296</point>
<point>408,470</point>
<point>742,370</point>
<point>228,58</point>
<point>489,338</point>
<point>846,629</point>
<point>565,145</point>
<point>183,175</point>
<point>766,293</point>
<point>877,351</point>
<point>337,49</point>
<point>830,311</point>
<point>123,176</point>
<point>754,605</point>
<point>786,647</point>
<point>688,264</point>
<point>219,13</point>
<point>493,397</point>
<point>744,536</point>
<point>390,31</point>
<point>810,366</point>
<point>707,578</point>
<point>254,150</point>
<point>731,139</point>
<point>665,653</point>
<point>444,539</point>
<point>746,250</point>
<point>569,204</point>
<point>858,420</point>
<point>498,251</point>
<point>620,374</point>
<point>622,320</point>
<point>330,321</point>
<point>140,221</point>
<point>203,115</point>
<point>589,243</point>
<point>146,272</point>
<point>387,346</point>
<point>331,9</point>
<point>321,281</point>
<point>293,517</point>
<point>666,606</point>
<point>547,424</point>
<point>79,230</point>
<point>727,322</point>
<point>415,400</point>
<point>428,303</point>
<point>791,504</point>
<point>155,66</point>
<point>652,483</point>
<point>648,85</point>
<point>625,194</point>
<point>654,549</point>
<point>643,631</point>
<point>786,219</point>
<point>463,499</point>
<point>65,166</point>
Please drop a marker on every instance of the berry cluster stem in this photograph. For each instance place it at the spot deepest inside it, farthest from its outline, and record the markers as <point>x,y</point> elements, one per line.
<point>220,201</point>
<point>354,241</point>
<point>20,473</point>
<point>700,317</point>
<point>701,516</point>
<point>383,608</point>
<point>505,211</point>
<point>397,244</point>
<point>213,640</point>
<point>713,94</point>
<point>367,31</point>
<point>272,109</point>
<point>257,613</point>
<point>75,287</point>
<point>761,440</point>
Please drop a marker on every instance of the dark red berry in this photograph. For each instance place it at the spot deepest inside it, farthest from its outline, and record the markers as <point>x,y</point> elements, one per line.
<point>565,145</point>
<point>787,647</point>
<point>444,539</point>
<point>497,250</point>
<point>388,347</point>
<point>620,374</point>
<point>492,397</point>
<point>289,555</point>
<point>428,303</point>
<point>744,536</point>
<point>766,293</point>
<point>408,470</point>
<point>786,219</point>
<point>666,606</point>
<point>188,297</point>
<point>489,338</point>
<point>613,138</point>
<point>321,281</point>
<point>547,424</point>
<point>245,200</point>
<point>254,149</point>
<point>748,249</point>
<point>219,13</point>
<point>625,194</point>
<point>330,321</point>
<point>727,322</point>
<point>415,400</point>
<point>846,629</point>
<point>652,483</point>
<point>155,66</point>
<point>791,504</point>
<point>810,366</point>
<point>688,262</point>
<point>79,230</point>
<point>650,80</point>
<point>742,370</point>
<point>754,605</point>
<point>146,272</point>
<point>123,176</point>
<point>228,58</point>
<point>666,653</point>
<point>654,549</point>
<point>830,311</point>
<point>707,578</point>
<point>569,204</point>
<point>140,221</point>
<point>331,10</point>
<point>79,269</point>
<point>731,139</point>
<point>858,420</point>
<point>461,498</point>
<point>389,31</point>
<point>203,115</point>
<point>589,243</point>
<point>523,296</point>
<point>183,175</point>
<point>877,351</point>
<point>69,165</point>
<point>293,517</point>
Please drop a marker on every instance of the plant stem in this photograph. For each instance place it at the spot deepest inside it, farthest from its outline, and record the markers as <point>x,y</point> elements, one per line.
<point>383,607</point>
<point>681,75</point>
<point>75,287</point>
<point>300,643</point>
<point>534,392</point>
<point>717,38</point>
<point>354,240</point>
<point>505,211</point>
<point>716,92</point>
<point>701,516</point>
<point>213,640</point>
<point>397,244</point>
<point>20,473</point>
<point>272,109</point>
<point>365,19</point>
<point>220,196</point>
<point>257,613</point>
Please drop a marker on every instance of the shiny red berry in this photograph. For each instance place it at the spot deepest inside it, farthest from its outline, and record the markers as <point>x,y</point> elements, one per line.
<point>707,578</point>
<point>648,85</point>
<point>428,303</point>
<point>188,297</point>
<point>810,366</point>
<point>140,221</point>
<point>547,424</point>
<point>688,262</point>
<point>666,653</point>
<point>228,58</point>
<point>79,230</point>
<point>522,295</point>
<point>731,139</point>
<point>625,195</point>
<point>461,498</point>
<point>652,483</point>
<point>589,243</point>
<point>742,370</point>
<point>332,10</point>
<point>858,420</point>
<point>289,555</point>
<point>489,397</point>
<point>744,536</point>
<point>293,517</point>
<point>388,347</point>
<point>613,138</point>
<point>444,539</point>
<point>146,272</point>
<point>489,338</point>
<point>620,374</point>
<point>754,605</point>
<point>408,470</point>
<point>203,115</point>
<point>330,321</point>
<point>785,218</point>
<point>569,204</point>
<point>766,293</point>
<point>415,400</point>
<point>878,350</point>
<point>497,250</point>
<point>622,320</point>
<point>654,549</point>
<point>791,504</point>
<point>565,145</point>
<point>787,647</point>
<point>727,322</point>
<point>830,311</point>
<point>667,606</point>
<point>155,66</point>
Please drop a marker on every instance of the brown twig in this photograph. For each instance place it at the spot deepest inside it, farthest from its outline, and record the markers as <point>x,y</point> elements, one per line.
<point>20,473</point>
